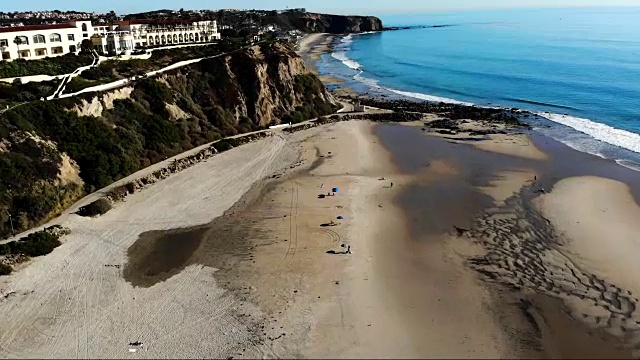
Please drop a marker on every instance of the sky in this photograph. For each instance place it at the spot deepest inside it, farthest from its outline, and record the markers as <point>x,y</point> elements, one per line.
<point>363,7</point>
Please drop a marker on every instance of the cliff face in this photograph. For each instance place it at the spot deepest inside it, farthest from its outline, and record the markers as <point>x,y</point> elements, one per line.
<point>339,24</point>
<point>109,135</point>
<point>262,84</point>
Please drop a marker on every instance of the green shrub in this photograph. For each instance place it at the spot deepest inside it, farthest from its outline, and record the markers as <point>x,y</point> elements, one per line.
<point>5,269</point>
<point>11,94</point>
<point>223,145</point>
<point>98,207</point>
<point>77,83</point>
<point>35,244</point>
<point>58,65</point>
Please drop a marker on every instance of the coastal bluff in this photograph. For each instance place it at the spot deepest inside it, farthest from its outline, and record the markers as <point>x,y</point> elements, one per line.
<point>338,24</point>
<point>54,152</point>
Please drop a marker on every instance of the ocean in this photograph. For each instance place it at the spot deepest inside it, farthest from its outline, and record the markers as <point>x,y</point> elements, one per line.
<point>578,68</point>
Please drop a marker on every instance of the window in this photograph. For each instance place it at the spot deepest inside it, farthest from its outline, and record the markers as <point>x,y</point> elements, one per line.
<point>71,37</point>
<point>38,39</point>
<point>4,42</point>
<point>55,38</point>
<point>21,40</point>
<point>5,55</point>
<point>72,48</point>
<point>84,28</point>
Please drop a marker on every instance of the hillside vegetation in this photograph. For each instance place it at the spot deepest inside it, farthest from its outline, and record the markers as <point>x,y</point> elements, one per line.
<point>113,70</point>
<point>102,137</point>
<point>58,65</point>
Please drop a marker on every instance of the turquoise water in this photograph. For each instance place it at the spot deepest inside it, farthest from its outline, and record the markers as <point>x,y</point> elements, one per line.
<point>579,68</point>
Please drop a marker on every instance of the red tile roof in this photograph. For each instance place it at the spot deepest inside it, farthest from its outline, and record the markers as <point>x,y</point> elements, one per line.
<point>35,27</point>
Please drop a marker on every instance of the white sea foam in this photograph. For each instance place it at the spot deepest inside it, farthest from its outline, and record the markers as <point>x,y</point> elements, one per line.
<point>372,83</point>
<point>429,97</point>
<point>342,56</point>
<point>605,133</point>
<point>369,82</point>
<point>366,33</point>
<point>629,164</point>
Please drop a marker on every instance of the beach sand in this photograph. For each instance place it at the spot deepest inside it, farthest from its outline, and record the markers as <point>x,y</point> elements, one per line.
<point>600,220</point>
<point>75,302</point>
<point>393,296</point>
<point>434,246</point>
<point>312,46</point>
<point>265,279</point>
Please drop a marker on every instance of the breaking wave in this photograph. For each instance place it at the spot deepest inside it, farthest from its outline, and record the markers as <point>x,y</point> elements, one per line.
<point>595,131</point>
<point>342,56</point>
<point>605,133</point>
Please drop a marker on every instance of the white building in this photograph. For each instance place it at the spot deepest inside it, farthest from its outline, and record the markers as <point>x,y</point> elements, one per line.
<point>125,36</point>
<point>40,41</point>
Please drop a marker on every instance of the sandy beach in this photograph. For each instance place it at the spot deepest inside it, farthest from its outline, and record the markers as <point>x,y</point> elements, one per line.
<point>507,245</point>
<point>264,279</point>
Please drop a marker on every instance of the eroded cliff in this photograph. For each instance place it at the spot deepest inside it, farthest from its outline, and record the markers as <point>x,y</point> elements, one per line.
<point>109,135</point>
<point>339,24</point>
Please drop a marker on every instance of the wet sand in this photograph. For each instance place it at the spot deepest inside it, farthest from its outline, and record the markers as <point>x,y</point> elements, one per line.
<point>575,284</point>
<point>401,292</point>
<point>574,310</point>
<point>432,247</point>
<point>312,46</point>
<point>455,260</point>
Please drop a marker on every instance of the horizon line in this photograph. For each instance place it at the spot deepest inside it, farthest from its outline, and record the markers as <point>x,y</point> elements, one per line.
<point>344,11</point>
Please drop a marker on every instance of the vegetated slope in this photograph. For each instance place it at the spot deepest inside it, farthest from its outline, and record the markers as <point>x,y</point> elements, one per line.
<point>106,136</point>
<point>58,65</point>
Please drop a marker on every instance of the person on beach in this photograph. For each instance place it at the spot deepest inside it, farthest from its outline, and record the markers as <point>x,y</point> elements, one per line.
<point>391,185</point>
<point>349,249</point>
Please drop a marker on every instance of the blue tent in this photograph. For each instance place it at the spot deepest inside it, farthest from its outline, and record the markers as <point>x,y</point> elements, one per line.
<point>340,217</point>
<point>335,190</point>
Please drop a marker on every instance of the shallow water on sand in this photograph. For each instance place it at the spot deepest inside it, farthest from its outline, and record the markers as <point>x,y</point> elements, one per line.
<point>447,200</point>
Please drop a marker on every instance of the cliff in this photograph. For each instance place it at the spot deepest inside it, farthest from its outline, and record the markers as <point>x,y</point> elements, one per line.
<point>285,20</point>
<point>338,24</point>
<point>44,145</point>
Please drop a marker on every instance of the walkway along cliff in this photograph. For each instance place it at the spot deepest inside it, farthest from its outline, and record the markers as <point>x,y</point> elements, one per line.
<point>54,152</point>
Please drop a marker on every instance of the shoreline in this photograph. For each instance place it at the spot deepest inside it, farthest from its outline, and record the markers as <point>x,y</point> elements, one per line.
<point>438,243</point>
<point>576,130</point>
<point>560,155</point>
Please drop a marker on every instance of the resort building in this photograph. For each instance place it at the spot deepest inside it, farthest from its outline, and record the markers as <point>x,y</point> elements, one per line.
<point>40,41</point>
<point>125,36</point>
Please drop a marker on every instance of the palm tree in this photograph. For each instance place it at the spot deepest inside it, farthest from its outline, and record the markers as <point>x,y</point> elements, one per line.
<point>111,17</point>
<point>18,41</point>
